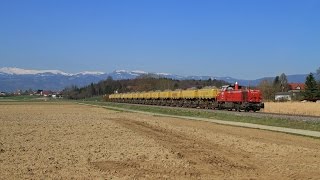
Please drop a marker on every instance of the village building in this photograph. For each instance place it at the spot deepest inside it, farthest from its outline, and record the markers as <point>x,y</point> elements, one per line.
<point>295,90</point>
<point>283,96</point>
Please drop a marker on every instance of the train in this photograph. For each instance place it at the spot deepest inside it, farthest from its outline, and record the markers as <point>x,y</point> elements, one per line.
<point>229,97</point>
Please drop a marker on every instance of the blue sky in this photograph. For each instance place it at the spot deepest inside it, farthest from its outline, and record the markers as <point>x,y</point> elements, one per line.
<point>243,39</point>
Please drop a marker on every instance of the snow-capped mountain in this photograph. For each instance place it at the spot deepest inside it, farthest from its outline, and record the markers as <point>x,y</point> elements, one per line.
<point>124,74</point>
<point>12,78</point>
<point>19,71</point>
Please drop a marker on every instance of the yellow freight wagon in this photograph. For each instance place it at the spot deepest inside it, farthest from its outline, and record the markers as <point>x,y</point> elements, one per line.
<point>189,94</point>
<point>164,94</point>
<point>121,95</point>
<point>140,95</point>
<point>135,95</point>
<point>118,96</point>
<point>207,93</point>
<point>124,96</point>
<point>175,94</point>
<point>155,94</point>
<point>147,95</point>
<point>111,96</point>
<point>129,95</point>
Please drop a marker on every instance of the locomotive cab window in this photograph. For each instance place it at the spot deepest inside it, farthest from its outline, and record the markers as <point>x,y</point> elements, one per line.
<point>224,88</point>
<point>230,88</point>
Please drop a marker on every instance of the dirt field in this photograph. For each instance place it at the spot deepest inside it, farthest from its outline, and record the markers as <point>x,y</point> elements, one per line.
<point>301,108</point>
<point>64,141</point>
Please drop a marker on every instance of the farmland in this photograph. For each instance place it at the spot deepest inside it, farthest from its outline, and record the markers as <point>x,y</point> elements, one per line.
<point>65,140</point>
<point>295,108</point>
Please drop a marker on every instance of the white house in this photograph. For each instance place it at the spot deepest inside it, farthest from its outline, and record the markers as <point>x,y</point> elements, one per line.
<point>283,96</point>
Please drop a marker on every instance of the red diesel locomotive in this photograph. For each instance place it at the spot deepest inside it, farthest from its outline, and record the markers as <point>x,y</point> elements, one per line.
<point>235,97</point>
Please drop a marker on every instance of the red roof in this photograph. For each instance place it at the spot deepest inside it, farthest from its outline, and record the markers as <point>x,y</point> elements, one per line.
<point>296,86</point>
<point>46,92</point>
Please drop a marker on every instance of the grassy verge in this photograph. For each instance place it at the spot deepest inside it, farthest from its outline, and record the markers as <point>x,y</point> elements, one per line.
<point>94,98</point>
<point>28,98</point>
<point>20,98</point>
<point>269,121</point>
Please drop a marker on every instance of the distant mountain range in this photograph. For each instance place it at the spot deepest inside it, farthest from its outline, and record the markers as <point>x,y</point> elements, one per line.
<point>12,79</point>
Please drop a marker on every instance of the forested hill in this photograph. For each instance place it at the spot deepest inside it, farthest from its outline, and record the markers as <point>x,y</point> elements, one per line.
<point>143,83</point>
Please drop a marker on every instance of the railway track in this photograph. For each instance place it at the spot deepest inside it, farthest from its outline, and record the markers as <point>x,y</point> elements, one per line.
<point>251,114</point>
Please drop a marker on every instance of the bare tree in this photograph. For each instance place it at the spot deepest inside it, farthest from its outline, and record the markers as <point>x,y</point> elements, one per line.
<point>318,74</point>
<point>267,90</point>
<point>284,83</point>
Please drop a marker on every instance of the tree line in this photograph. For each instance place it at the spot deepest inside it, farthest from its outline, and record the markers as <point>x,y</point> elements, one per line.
<point>141,83</point>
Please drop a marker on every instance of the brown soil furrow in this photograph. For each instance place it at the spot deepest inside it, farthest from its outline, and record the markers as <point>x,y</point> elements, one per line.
<point>201,156</point>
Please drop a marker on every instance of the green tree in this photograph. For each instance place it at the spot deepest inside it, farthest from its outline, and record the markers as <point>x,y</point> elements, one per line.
<point>318,78</point>
<point>276,84</point>
<point>310,83</point>
<point>92,90</point>
<point>311,91</point>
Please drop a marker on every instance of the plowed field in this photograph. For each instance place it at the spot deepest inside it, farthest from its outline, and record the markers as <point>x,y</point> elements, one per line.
<point>52,140</point>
